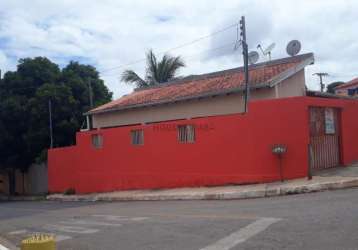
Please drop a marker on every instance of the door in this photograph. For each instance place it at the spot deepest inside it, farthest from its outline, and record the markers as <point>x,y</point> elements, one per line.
<point>324,137</point>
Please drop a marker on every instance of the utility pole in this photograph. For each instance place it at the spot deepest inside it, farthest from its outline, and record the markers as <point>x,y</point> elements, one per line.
<point>89,117</point>
<point>321,75</point>
<point>50,122</point>
<point>245,54</point>
<point>90,93</point>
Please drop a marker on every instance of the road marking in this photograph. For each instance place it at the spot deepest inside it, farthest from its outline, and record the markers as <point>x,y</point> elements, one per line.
<point>79,229</point>
<point>23,231</point>
<point>93,223</point>
<point>119,218</point>
<point>60,237</point>
<point>3,248</point>
<point>209,216</point>
<point>71,229</point>
<point>242,235</point>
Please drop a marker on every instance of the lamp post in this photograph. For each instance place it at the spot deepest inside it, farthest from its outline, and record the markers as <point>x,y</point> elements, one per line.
<point>279,150</point>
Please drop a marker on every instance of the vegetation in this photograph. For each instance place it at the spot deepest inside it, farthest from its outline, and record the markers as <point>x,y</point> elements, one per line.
<point>24,108</point>
<point>69,191</point>
<point>156,72</point>
<point>331,86</point>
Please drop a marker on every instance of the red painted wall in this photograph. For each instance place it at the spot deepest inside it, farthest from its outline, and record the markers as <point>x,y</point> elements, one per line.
<point>228,149</point>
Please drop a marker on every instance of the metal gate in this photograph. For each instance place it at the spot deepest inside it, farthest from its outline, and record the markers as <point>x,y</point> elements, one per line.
<point>324,137</point>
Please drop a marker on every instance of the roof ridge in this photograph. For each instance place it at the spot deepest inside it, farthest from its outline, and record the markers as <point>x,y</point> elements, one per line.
<point>222,72</point>
<point>177,90</point>
<point>347,84</point>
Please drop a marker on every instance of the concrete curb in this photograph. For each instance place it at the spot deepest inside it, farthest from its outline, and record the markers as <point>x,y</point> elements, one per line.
<point>268,190</point>
<point>22,198</point>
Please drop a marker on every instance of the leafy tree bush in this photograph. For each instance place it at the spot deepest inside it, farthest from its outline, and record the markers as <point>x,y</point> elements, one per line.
<point>331,86</point>
<point>24,113</point>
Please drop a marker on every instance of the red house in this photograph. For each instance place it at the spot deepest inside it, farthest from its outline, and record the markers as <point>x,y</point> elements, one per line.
<point>348,89</point>
<point>193,132</point>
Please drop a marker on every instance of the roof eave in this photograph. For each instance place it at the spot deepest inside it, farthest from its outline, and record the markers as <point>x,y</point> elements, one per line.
<point>189,98</point>
<point>313,93</point>
<point>274,81</point>
<point>291,71</point>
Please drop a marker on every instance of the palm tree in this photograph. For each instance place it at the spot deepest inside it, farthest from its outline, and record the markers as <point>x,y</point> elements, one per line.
<point>156,72</point>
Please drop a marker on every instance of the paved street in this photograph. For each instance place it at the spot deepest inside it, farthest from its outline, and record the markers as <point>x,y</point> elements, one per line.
<point>327,220</point>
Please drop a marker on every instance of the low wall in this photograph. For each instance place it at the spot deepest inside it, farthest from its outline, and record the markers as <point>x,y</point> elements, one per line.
<point>228,149</point>
<point>62,168</point>
<point>4,183</point>
<point>37,182</point>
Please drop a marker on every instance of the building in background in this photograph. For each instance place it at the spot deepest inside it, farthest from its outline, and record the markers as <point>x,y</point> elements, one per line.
<point>348,89</point>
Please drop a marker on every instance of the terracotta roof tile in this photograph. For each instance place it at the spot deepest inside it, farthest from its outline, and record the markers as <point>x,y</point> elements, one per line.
<point>353,82</point>
<point>192,86</point>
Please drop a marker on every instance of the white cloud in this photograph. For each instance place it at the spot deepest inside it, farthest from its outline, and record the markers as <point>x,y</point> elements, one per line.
<point>112,33</point>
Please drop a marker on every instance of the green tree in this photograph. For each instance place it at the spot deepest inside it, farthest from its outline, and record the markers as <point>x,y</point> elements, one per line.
<point>80,78</point>
<point>156,72</point>
<point>24,113</point>
<point>331,86</point>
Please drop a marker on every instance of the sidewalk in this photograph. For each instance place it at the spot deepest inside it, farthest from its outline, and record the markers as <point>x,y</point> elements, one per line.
<point>338,178</point>
<point>22,198</point>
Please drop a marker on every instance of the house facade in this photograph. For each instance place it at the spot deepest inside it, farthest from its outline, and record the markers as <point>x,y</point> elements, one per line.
<point>348,89</point>
<point>193,132</point>
<point>205,95</point>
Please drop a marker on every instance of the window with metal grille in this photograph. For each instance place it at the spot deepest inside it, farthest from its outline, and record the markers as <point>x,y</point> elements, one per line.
<point>137,137</point>
<point>97,141</point>
<point>186,133</point>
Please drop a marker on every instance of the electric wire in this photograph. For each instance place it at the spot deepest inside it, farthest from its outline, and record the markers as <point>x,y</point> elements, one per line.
<point>174,48</point>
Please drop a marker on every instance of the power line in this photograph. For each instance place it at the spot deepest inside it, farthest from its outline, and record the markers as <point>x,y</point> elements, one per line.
<point>340,75</point>
<point>210,50</point>
<point>186,57</point>
<point>175,48</point>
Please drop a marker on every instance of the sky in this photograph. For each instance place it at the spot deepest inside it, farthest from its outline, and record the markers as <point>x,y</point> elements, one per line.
<point>112,34</point>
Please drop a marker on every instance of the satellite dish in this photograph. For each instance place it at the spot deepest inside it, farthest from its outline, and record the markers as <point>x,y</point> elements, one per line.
<point>293,47</point>
<point>253,57</point>
<point>267,51</point>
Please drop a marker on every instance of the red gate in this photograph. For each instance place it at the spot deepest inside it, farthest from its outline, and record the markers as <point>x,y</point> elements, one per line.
<point>324,137</point>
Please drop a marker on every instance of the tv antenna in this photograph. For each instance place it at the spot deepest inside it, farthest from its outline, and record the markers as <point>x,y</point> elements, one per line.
<point>267,51</point>
<point>293,47</point>
<point>253,57</point>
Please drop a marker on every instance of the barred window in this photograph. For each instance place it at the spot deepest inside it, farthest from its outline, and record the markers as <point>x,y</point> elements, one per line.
<point>186,133</point>
<point>97,141</point>
<point>137,137</point>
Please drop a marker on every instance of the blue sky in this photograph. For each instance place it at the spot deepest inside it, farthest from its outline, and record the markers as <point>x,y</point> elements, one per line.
<point>110,33</point>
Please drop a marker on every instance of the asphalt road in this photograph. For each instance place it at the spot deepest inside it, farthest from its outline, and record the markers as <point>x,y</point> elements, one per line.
<point>327,220</point>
